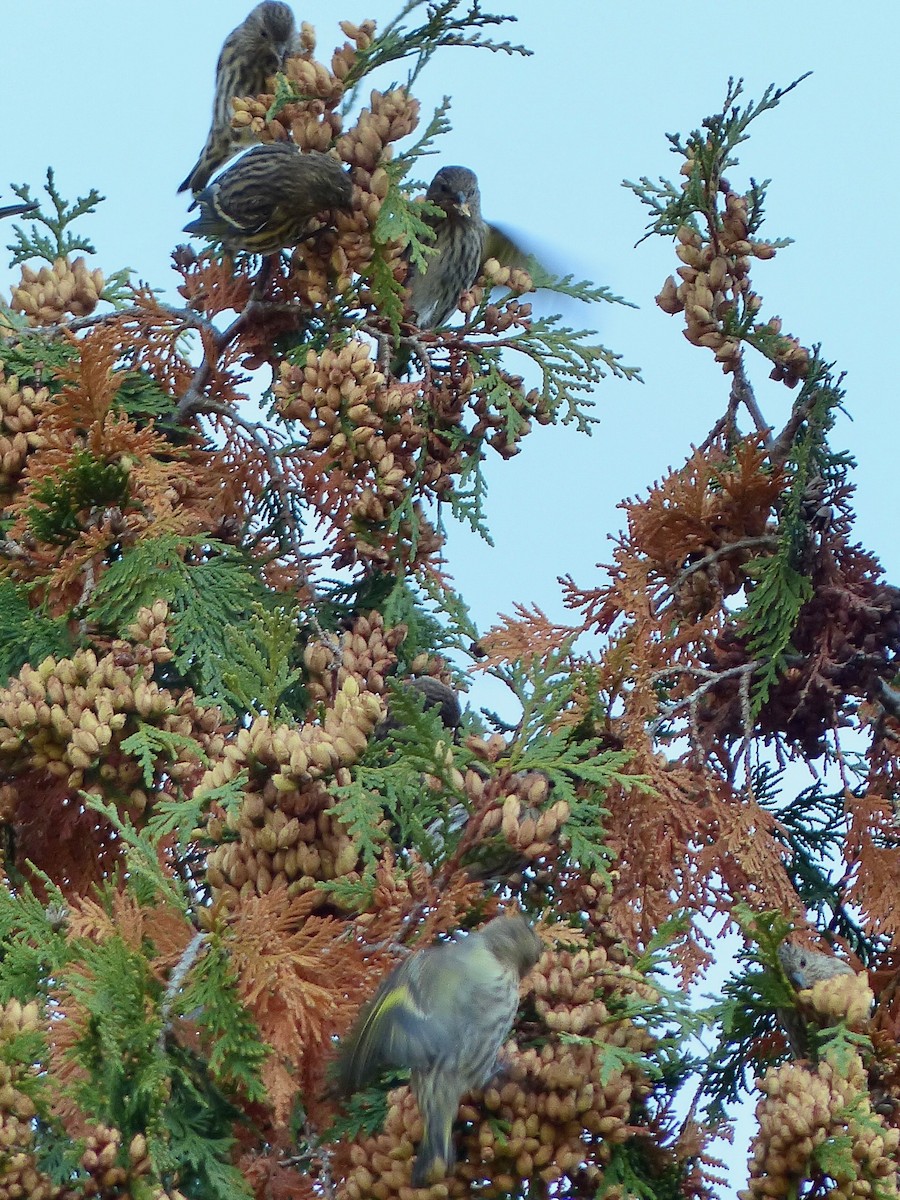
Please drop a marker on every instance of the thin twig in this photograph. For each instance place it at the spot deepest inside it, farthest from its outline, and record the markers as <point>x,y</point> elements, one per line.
<point>710,679</point>
<point>193,399</point>
<point>889,697</point>
<point>261,435</point>
<point>182,967</point>
<point>188,317</point>
<point>769,541</point>
<point>87,590</point>
<point>11,549</point>
<point>742,393</point>
<point>780,448</point>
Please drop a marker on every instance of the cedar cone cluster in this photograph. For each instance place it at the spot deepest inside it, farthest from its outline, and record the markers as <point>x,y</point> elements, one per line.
<point>105,1177</point>
<point>68,716</point>
<point>366,652</point>
<point>368,441</point>
<point>62,724</point>
<point>20,412</point>
<point>49,294</point>
<point>715,289</point>
<point>805,1104</point>
<point>513,825</point>
<point>19,1173</point>
<point>284,831</point>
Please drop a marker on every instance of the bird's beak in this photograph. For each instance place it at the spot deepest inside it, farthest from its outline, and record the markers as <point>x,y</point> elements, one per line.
<point>462,205</point>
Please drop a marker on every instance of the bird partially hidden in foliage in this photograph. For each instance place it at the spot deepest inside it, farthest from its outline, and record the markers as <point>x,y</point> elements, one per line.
<point>251,54</point>
<point>16,210</point>
<point>444,1013</point>
<point>436,695</point>
<point>804,967</point>
<point>266,200</point>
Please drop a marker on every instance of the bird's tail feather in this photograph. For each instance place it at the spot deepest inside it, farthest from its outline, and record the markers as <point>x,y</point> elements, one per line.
<point>438,1103</point>
<point>218,149</point>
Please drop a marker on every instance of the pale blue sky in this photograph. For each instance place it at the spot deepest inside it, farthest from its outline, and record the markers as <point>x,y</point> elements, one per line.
<point>117,97</point>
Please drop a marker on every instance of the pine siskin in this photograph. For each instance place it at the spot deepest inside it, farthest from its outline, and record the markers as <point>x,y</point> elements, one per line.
<point>453,266</point>
<point>251,54</point>
<point>445,1013</point>
<point>266,199</point>
<point>16,210</point>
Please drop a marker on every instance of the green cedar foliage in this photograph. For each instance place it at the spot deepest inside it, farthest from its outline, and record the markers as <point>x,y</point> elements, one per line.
<point>209,588</point>
<point>27,634</point>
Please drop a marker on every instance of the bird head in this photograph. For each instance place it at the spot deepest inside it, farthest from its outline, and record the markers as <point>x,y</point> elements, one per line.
<point>455,189</point>
<point>276,23</point>
<point>513,942</point>
<point>804,967</point>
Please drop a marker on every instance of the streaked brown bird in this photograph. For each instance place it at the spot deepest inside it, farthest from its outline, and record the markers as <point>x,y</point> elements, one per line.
<point>16,210</point>
<point>459,237</point>
<point>251,54</point>
<point>266,199</point>
<point>444,1013</point>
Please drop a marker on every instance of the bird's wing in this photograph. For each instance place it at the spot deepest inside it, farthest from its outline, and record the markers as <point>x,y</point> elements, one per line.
<point>254,187</point>
<point>255,210</point>
<point>503,245</point>
<point>462,978</point>
<point>393,1031</point>
<point>500,244</point>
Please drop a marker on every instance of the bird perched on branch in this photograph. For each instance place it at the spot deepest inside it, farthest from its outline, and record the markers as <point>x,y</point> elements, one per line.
<point>266,199</point>
<point>444,1013</point>
<point>459,236</point>
<point>251,54</point>
<point>16,210</point>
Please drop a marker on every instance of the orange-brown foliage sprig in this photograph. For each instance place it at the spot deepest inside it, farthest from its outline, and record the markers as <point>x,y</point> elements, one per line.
<point>164,493</point>
<point>62,725</point>
<point>684,554</point>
